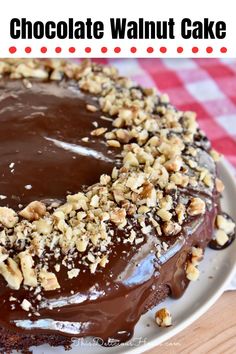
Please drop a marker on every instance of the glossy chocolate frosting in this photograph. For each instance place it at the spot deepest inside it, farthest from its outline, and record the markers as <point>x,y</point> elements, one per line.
<point>41,133</point>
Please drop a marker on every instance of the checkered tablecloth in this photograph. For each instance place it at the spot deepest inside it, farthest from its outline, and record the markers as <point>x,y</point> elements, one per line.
<point>206,86</point>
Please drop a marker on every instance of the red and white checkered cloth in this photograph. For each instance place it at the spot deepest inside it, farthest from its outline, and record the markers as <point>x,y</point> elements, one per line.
<point>206,86</point>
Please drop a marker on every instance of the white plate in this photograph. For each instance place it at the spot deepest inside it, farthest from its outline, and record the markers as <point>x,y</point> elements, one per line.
<point>217,269</point>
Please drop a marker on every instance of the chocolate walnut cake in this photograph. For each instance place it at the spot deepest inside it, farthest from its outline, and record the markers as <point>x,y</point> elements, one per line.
<point>109,196</point>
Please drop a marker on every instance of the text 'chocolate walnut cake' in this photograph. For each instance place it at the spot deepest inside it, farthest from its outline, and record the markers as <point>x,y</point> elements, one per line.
<point>108,198</point>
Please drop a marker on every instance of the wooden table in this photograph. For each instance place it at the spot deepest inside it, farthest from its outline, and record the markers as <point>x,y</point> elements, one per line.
<point>214,332</point>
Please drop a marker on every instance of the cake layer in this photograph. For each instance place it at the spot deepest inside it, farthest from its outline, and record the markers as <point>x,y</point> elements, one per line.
<point>91,263</point>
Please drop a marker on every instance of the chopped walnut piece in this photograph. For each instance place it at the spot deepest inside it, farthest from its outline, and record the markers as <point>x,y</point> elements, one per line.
<point>221,237</point>
<point>91,108</point>
<point>73,273</point>
<point>130,160</point>
<point>118,216</point>
<point>29,273</point>
<point>164,214</point>
<point>98,131</point>
<point>219,185</point>
<point>174,164</point>
<point>48,280</point>
<point>224,224</point>
<point>105,179</point>
<point>192,272</point>
<point>11,273</point>
<point>103,261</point>
<point>43,226</point>
<point>8,217</point>
<point>163,318</point>
<point>208,180</point>
<point>33,211</point>
<point>197,254</point>
<point>113,143</point>
<point>26,305</point>
<point>171,228</point>
<point>197,206</point>
<point>3,254</point>
<point>123,136</point>
<point>82,243</point>
<point>180,211</point>
<point>180,179</point>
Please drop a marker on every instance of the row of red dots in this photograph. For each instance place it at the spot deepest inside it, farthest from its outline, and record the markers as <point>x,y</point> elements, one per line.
<point>117,50</point>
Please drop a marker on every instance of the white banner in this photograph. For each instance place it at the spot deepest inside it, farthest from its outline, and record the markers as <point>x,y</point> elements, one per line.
<point>106,28</point>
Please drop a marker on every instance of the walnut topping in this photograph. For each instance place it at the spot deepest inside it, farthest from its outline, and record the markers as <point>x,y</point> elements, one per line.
<point>197,206</point>
<point>174,164</point>
<point>221,237</point>
<point>179,179</point>
<point>171,228</point>
<point>73,273</point>
<point>8,217</point>
<point>224,224</point>
<point>118,216</point>
<point>3,254</point>
<point>33,211</point>
<point>43,226</point>
<point>98,131</point>
<point>219,185</point>
<point>208,180</point>
<point>11,273</point>
<point>91,108</point>
<point>180,211</point>
<point>123,136</point>
<point>197,254</point>
<point>48,280</point>
<point>29,274</point>
<point>26,305</point>
<point>130,160</point>
<point>192,272</point>
<point>113,143</point>
<point>164,214</point>
<point>163,318</point>
<point>105,179</point>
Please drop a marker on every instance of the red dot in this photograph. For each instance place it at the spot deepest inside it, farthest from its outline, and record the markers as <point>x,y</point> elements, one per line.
<point>12,50</point>
<point>180,50</point>
<point>27,50</point>
<point>223,50</point>
<point>195,50</point>
<point>43,50</point>
<point>209,50</point>
<point>104,49</point>
<point>133,49</point>
<point>117,49</point>
<point>163,50</point>
<point>58,49</point>
<point>150,50</point>
<point>72,49</point>
<point>87,49</point>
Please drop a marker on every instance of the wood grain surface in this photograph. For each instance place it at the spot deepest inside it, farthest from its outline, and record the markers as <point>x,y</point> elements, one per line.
<point>214,332</point>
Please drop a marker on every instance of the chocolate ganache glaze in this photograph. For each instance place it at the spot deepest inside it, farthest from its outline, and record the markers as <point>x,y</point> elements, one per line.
<point>44,155</point>
<point>41,134</point>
